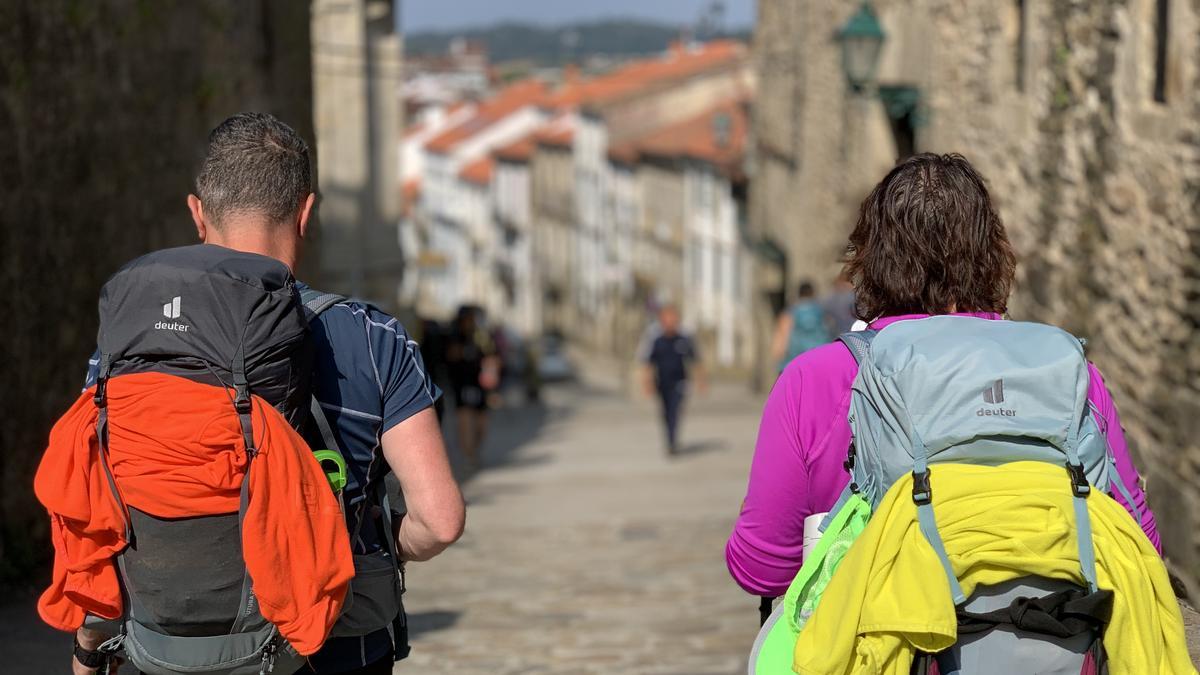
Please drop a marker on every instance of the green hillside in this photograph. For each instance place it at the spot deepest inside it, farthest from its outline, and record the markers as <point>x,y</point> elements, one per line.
<point>552,45</point>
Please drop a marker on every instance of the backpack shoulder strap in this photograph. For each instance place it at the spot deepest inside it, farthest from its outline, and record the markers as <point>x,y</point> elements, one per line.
<point>315,302</point>
<point>858,342</point>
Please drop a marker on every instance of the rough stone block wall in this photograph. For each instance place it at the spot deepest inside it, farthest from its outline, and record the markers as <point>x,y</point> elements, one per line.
<point>1098,183</point>
<point>104,110</point>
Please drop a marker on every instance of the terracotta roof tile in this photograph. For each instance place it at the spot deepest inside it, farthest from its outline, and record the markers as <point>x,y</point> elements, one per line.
<point>624,153</point>
<point>507,101</point>
<point>478,172</point>
<point>519,150</point>
<point>717,136</point>
<point>679,62</point>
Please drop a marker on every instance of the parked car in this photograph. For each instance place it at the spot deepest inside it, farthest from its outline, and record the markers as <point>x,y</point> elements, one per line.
<point>553,364</point>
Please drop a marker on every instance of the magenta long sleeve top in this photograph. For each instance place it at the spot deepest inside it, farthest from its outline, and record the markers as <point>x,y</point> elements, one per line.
<point>797,467</point>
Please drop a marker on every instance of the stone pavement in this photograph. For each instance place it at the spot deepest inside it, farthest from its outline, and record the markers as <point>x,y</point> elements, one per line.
<point>588,550</point>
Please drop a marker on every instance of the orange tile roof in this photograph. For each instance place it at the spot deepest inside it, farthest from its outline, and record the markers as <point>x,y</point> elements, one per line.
<point>504,103</point>
<point>678,63</point>
<point>519,150</point>
<point>624,153</point>
<point>697,138</point>
<point>557,138</point>
<point>478,172</point>
<point>411,189</point>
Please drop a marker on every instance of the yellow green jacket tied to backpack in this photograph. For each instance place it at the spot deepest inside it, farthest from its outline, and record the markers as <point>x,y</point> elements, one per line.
<point>889,598</point>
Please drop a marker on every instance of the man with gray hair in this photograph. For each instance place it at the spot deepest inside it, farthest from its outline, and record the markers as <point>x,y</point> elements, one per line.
<point>371,388</point>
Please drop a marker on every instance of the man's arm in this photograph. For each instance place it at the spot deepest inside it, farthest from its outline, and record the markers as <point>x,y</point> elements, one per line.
<point>436,515</point>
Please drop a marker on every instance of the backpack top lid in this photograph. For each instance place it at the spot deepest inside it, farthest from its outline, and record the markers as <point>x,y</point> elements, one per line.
<point>189,311</point>
<point>965,389</point>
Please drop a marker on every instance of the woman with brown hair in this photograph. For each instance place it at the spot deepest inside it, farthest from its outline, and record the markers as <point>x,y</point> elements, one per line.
<point>928,241</point>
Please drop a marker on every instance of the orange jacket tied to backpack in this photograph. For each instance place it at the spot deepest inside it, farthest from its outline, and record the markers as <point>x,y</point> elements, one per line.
<point>176,450</point>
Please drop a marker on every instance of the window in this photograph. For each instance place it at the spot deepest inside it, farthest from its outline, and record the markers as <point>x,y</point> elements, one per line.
<point>1161,36</point>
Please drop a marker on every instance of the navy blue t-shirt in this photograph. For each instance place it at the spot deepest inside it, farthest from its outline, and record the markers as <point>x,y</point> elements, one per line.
<point>369,377</point>
<point>671,356</point>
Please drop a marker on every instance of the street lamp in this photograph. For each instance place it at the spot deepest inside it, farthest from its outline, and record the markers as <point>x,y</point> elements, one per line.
<point>861,40</point>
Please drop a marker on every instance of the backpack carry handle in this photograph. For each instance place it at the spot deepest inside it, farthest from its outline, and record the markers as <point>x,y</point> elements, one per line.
<point>337,477</point>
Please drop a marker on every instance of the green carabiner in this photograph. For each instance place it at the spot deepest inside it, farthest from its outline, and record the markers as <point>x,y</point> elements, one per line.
<point>337,479</point>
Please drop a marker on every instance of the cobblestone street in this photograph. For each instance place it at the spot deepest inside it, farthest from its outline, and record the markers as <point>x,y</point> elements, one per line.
<point>588,550</point>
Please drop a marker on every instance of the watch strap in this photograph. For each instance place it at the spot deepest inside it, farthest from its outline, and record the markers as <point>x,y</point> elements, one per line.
<point>89,658</point>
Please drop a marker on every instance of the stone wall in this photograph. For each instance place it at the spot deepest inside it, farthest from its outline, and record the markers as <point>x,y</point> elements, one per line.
<point>1097,181</point>
<point>356,68</point>
<point>104,111</point>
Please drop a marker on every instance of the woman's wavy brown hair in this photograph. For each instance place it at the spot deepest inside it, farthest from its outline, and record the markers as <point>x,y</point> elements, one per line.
<point>929,241</point>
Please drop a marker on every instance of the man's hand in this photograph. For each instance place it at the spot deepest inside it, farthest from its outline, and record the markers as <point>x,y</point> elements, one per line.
<point>648,381</point>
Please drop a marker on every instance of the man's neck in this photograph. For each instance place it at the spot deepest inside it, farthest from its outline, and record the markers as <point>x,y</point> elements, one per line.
<point>254,238</point>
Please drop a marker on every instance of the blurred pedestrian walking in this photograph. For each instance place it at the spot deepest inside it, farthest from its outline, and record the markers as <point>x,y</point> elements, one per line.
<point>670,359</point>
<point>473,367</point>
<point>839,307</point>
<point>800,328</point>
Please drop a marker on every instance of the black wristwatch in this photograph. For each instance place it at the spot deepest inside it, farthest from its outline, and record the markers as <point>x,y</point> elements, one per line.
<point>89,658</point>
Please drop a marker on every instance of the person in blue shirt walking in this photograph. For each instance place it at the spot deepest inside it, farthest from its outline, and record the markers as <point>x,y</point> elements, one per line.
<point>669,359</point>
<point>800,328</point>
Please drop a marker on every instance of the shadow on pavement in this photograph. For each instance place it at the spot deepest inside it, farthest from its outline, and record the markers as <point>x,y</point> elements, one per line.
<point>420,623</point>
<point>701,447</point>
<point>512,426</point>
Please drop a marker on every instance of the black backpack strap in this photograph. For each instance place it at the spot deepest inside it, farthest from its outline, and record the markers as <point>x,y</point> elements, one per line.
<point>1062,614</point>
<point>400,643</point>
<point>858,342</point>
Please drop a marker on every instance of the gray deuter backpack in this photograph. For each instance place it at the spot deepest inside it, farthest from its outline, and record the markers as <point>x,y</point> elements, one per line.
<point>230,320</point>
<point>953,389</point>
<point>233,320</point>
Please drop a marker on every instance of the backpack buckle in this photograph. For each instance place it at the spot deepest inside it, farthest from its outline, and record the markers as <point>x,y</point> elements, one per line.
<point>1079,481</point>
<point>922,490</point>
<point>100,399</point>
<point>242,403</point>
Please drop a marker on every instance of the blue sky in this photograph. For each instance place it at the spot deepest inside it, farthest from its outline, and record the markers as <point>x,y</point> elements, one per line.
<point>421,15</point>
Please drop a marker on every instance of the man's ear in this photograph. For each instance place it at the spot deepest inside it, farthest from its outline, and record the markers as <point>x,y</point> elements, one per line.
<point>306,213</point>
<point>197,210</point>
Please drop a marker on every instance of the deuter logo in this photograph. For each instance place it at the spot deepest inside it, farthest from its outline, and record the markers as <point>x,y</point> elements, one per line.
<point>994,395</point>
<point>171,311</point>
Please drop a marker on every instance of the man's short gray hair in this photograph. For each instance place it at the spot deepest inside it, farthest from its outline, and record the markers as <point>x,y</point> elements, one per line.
<point>255,164</point>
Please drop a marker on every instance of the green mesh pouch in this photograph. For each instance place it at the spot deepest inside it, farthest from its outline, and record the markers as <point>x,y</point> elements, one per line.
<point>774,649</point>
<point>841,530</point>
